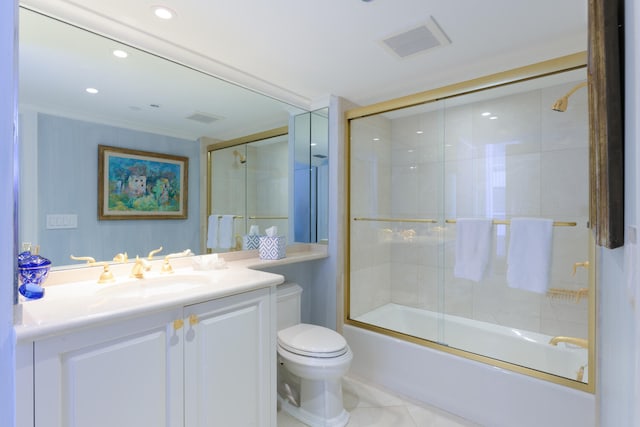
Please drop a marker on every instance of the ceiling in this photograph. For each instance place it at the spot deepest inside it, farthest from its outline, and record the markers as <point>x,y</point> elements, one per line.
<point>300,51</point>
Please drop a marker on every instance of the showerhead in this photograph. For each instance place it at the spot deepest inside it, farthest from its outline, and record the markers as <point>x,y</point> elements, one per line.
<point>562,103</point>
<point>240,156</point>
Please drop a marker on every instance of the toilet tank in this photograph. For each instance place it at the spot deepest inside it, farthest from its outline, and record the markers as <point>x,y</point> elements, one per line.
<point>288,311</point>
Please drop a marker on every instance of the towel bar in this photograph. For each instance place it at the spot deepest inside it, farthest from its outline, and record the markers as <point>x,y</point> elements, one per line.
<point>421,220</point>
<point>507,222</point>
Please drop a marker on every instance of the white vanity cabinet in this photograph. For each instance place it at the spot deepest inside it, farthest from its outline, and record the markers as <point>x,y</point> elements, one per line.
<point>206,364</point>
<point>230,366</point>
<point>124,374</point>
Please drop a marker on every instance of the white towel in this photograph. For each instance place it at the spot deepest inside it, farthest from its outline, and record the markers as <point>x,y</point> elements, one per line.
<point>212,232</point>
<point>473,247</point>
<point>529,256</point>
<point>225,232</point>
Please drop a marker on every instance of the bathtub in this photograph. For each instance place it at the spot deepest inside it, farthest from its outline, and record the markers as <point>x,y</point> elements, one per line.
<point>485,394</point>
<point>519,347</point>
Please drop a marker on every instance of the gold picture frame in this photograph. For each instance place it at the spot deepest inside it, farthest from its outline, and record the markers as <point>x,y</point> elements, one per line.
<point>134,184</point>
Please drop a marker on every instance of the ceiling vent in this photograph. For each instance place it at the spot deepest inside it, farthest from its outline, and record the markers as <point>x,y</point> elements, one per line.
<point>203,118</point>
<point>418,39</point>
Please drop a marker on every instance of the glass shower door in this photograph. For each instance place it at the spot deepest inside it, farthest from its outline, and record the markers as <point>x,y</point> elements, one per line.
<point>427,181</point>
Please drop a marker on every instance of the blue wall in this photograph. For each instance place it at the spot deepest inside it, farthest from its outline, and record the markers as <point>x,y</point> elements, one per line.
<point>68,183</point>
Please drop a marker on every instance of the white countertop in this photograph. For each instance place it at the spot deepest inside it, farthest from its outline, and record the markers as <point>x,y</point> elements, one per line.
<point>73,298</point>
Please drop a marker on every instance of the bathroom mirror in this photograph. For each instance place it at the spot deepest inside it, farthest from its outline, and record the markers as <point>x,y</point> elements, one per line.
<point>311,176</point>
<point>276,178</point>
<point>247,180</point>
<point>143,102</point>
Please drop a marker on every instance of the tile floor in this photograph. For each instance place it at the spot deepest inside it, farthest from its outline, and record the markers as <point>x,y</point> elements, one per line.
<point>371,406</point>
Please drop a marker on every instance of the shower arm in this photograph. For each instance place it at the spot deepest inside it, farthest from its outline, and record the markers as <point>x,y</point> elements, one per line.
<point>562,102</point>
<point>575,88</point>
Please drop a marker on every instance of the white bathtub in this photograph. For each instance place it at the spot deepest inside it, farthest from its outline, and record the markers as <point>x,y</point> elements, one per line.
<point>516,346</point>
<point>486,394</point>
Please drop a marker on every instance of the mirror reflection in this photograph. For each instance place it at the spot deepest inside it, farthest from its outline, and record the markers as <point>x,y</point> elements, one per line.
<point>79,90</point>
<point>311,176</point>
<point>249,191</point>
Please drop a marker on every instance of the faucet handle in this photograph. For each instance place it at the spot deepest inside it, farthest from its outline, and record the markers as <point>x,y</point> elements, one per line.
<point>584,264</point>
<point>121,257</point>
<point>166,267</point>
<point>89,259</point>
<point>141,265</point>
<point>153,252</point>
<point>107,275</point>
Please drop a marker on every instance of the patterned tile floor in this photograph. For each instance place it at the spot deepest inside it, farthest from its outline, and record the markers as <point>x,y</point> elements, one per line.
<point>371,406</point>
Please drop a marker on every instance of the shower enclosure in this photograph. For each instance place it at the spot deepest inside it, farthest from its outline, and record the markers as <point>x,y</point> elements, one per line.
<point>420,171</point>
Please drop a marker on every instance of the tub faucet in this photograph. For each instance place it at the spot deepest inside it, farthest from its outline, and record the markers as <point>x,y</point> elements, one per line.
<point>580,342</point>
<point>140,267</point>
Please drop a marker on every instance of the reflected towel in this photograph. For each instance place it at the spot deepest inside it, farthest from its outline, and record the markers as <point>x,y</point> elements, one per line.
<point>473,247</point>
<point>225,232</point>
<point>529,256</point>
<point>212,232</point>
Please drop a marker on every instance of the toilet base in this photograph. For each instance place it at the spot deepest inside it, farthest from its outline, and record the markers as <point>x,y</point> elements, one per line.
<point>310,419</point>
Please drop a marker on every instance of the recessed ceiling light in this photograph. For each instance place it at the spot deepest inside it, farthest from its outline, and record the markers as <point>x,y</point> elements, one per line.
<point>419,132</point>
<point>493,117</point>
<point>163,12</point>
<point>92,90</point>
<point>486,113</point>
<point>376,139</point>
<point>313,144</point>
<point>120,53</point>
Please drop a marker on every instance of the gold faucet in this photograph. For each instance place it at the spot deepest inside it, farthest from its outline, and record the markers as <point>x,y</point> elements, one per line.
<point>153,252</point>
<point>106,276</point>
<point>121,257</point>
<point>580,342</point>
<point>579,264</point>
<point>166,267</point>
<point>140,267</point>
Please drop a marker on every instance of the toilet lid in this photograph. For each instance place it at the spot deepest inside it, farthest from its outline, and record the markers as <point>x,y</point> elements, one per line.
<point>312,341</point>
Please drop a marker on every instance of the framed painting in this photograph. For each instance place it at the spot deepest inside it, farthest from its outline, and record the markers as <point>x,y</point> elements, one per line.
<point>135,184</point>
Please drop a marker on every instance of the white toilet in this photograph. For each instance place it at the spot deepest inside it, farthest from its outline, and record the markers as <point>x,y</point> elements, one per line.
<point>311,363</point>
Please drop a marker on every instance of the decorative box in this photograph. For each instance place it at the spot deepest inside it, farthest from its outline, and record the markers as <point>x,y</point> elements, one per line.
<point>250,241</point>
<point>272,247</point>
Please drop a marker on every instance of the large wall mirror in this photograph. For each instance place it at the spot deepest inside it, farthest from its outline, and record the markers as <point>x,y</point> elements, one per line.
<point>275,178</point>
<point>143,102</point>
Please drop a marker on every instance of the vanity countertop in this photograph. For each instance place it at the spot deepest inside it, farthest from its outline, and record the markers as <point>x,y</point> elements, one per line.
<point>73,298</point>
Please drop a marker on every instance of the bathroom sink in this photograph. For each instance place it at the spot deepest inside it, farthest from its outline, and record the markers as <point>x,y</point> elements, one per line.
<point>153,287</point>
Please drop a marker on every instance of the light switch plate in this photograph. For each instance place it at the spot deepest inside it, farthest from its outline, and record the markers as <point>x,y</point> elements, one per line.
<point>57,221</point>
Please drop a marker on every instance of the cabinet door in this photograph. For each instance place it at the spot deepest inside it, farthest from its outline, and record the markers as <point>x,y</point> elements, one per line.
<point>127,374</point>
<point>230,361</point>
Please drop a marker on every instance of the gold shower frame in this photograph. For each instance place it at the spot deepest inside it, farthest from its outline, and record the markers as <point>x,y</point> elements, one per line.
<point>537,70</point>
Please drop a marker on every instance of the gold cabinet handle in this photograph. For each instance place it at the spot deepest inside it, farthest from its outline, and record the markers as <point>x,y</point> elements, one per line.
<point>178,324</point>
<point>193,320</point>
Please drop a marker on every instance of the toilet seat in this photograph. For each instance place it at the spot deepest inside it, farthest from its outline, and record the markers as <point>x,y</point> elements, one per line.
<point>312,341</point>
